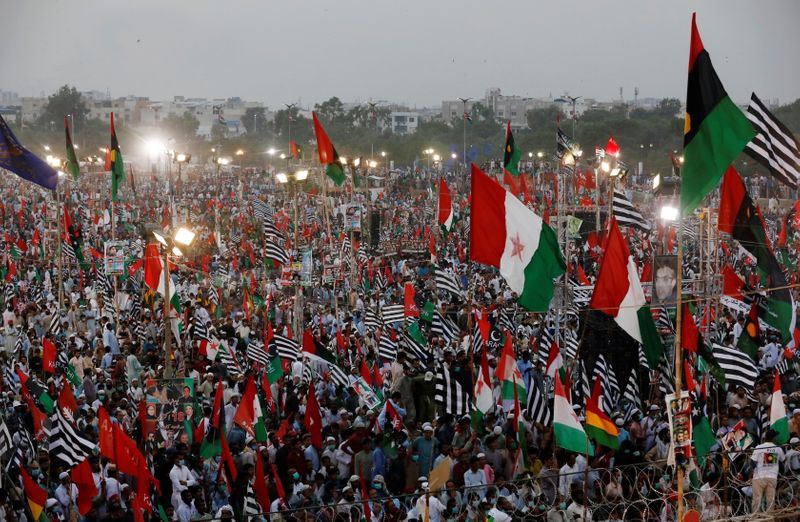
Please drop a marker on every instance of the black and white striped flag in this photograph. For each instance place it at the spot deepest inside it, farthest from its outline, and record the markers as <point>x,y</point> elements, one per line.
<point>738,367</point>
<point>413,349</point>
<point>609,386</point>
<point>227,356</point>
<point>774,146</point>
<point>261,210</point>
<point>251,506</point>
<point>393,314</point>
<point>276,252</point>
<point>286,348</point>
<point>257,353</point>
<point>387,348</point>
<point>446,282</point>
<point>631,393</point>
<point>538,408</point>
<point>269,228</point>
<point>450,393</point>
<point>626,213</point>
<point>68,446</point>
<point>371,320</point>
<point>5,438</point>
<point>443,327</point>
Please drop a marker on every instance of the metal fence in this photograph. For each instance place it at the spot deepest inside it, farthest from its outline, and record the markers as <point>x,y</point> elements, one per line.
<point>638,492</point>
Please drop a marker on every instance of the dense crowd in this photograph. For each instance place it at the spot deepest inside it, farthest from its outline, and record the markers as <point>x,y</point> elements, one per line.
<point>393,442</point>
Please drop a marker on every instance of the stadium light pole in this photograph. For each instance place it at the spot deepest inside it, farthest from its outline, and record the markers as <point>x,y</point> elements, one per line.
<point>182,236</point>
<point>293,179</point>
<point>464,120</point>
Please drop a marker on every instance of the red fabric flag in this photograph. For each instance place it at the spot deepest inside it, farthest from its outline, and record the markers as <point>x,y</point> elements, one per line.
<point>38,416</point>
<point>612,148</point>
<point>245,414</point>
<point>377,380</point>
<point>260,487</point>
<point>278,483</point>
<point>690,336</point>
<point>582,275</point>
<point>508,180</point>
<point>36,495</point>
<point>227,459</point>
<point>48,356</point>
<point>410,305</point>
<point>105,430</point>
<point>152,266</point>
<point>366,374</point>
<point>215,411</point>
<point>313,419</point>
<point>688,378</point>
<point>84,480</point>
<point>66,400</point>
<point>12,271</point>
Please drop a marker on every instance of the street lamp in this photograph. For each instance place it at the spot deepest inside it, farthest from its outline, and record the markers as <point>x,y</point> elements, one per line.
<point>182,236</point>
<point>293,179</point>
<point>372,164</point>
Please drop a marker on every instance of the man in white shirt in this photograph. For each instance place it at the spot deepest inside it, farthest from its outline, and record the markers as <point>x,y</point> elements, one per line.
<point>181,479</point>
<point>430,505</point>
<point>766,458</point>
<point>475,478</point>
<point>66,492</point>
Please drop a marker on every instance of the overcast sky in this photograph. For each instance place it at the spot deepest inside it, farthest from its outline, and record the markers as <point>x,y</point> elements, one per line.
<point>407,51</point>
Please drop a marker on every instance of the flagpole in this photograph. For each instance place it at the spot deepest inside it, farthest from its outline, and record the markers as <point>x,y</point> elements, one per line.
<point>60,249</point>
<point>678,354</point>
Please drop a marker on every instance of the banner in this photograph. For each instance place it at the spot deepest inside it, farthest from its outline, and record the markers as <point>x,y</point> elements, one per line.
<point>171,407</point>
<point>352,218</point>
<point>679,415</point>
<point>366,393</point>
<point>115,253</point>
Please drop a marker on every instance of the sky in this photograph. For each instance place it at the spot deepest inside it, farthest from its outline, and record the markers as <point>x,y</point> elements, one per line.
<point>406,51</point>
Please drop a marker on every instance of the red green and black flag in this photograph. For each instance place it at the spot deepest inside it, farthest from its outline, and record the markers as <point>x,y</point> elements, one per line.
<point>72,160</point>
<point>739,217</point>
<point>114,163</point>
<point>327,153</point>
<point>297,150</point>
<point>511,153</point>
<point>715,129</point>
<point>750,338</point>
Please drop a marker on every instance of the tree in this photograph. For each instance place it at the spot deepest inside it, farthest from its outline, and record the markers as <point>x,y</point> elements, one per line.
<point>544,119</point>
<point>183,128</point>
<point>255,120</point>
<point>668,107</point>
<point>66,101</point>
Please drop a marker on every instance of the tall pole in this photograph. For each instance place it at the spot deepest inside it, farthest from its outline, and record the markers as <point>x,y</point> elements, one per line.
<point>464,124</point>
<point>167,321</point>
<point>678,354</point>
<point>59,240</point>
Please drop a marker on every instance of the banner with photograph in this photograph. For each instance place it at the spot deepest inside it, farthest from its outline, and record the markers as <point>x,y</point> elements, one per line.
<point>171,408</point>
<point>114,257</point>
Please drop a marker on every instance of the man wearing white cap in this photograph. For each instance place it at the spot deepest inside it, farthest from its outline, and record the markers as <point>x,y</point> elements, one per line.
<point>66,492</point>
<point>429,506</point>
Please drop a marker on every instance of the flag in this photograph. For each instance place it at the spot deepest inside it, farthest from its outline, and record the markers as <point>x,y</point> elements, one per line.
<point>715,129</point>
<point>619,294</point>
<point>114,162</point>
<point>295,149</point>
<point>261,486</point>
<point>598,425</point>
<point>627,215</point>
<point>510,377</point>
<point>22,162</point>
<point>327,153</point>
<point>777,413</point>
<point>774,146</point>
<point>554,361</point>
<point>750,339</point>
<point>83,479</point>
<point>48,356</point>
<point>702,434</point>
<point>484,401</point>
<point>313,419</point>
<point>511,153</point>
<point>410,308</point>
<point>445,206</point>
<point>567,428</point>
<point>36,495</point>
<point>450,394</point>
<point>249,415</point>
<point>739,217</point>
<point>612,148</point>
<point>73,167</point>
<point>739,368</point>
<point>505,234</point>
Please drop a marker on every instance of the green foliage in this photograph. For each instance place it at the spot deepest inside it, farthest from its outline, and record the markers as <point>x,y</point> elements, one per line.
<point>255,121</point>
<point>182,128</point>
<point>66,101</point>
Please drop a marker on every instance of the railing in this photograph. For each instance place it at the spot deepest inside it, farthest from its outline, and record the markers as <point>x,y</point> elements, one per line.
<point>639,492</point>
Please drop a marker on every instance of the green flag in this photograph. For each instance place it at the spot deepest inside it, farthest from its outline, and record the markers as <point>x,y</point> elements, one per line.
<point>73,167</point>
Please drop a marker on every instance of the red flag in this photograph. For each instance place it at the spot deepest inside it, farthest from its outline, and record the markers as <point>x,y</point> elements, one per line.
<point>688,378</point>
<point>612,149</point>
<point>377,380</point>
<point>227,459</point>
<point>582,276</point>
<point>245,414</point>
<point>152,266</point>
<point>366,374</point>
<point>278,483</point>
<point>690,336</point>
<point>48,356</point>
<point>105,430</point>
<point>410,308</point>
<point>327,154</point>
<point>66,400</point>
<point>12,271</point>
<point>84,480</point>
<point>36,238</point>
<point>215,411</point>
<point>260,487</point>
<point>508,180</point>
<point>313,419</point>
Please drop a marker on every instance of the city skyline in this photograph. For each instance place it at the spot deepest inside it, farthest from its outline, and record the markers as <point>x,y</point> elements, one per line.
<point>363,51</point>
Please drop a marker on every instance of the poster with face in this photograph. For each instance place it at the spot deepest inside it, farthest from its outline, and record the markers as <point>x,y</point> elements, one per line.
<point>170,407</point>
<point>665,280</point>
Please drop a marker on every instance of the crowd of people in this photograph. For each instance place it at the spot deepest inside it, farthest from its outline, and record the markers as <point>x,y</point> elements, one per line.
<point>290,394</point>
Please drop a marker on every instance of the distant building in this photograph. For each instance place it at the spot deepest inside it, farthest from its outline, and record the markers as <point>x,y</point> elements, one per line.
<point>8,98</point>
<point>32,109</point>
<point>403,122</point>
<point>504,108</point>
